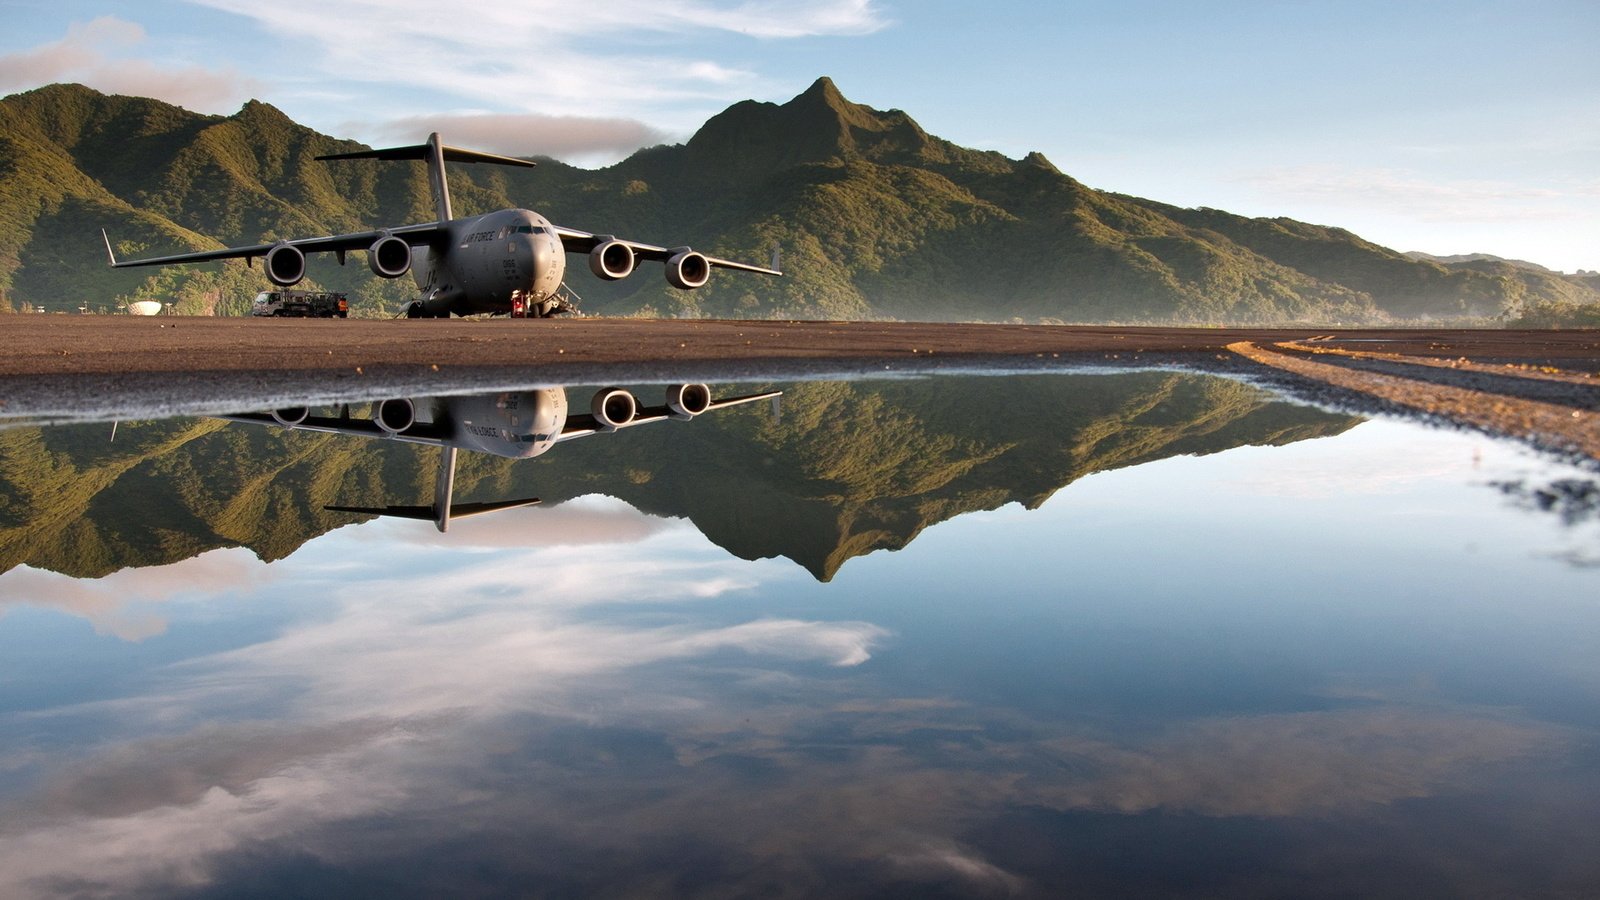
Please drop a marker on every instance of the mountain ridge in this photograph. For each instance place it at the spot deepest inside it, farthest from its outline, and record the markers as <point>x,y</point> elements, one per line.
<point>876,218</point>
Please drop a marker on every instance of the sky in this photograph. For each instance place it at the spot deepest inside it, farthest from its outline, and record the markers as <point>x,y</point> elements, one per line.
<point>1445,127</point>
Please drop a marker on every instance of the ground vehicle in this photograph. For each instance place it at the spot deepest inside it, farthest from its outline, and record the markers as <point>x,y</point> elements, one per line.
<point>318,304</point>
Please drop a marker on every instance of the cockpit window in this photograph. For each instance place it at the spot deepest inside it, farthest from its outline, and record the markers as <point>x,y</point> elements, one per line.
<point>530,229</point>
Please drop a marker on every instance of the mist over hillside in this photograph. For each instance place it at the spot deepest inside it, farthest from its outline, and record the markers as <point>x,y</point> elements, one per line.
<point>876,218</point>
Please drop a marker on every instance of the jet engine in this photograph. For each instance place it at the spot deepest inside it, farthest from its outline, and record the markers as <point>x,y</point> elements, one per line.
<point>397,415</point>
<point>389,257</point>
<point>687,270</point>
<point>611,260</point>
<point>613,408</point>
<point>688,400</point>
<point>285,265</point>
<point>290,416</point>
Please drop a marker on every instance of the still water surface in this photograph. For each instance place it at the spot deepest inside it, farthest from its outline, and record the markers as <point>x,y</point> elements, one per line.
<point>1133,634</point>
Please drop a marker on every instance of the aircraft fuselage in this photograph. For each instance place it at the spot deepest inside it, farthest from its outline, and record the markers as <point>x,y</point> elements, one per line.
<point>485,259</point>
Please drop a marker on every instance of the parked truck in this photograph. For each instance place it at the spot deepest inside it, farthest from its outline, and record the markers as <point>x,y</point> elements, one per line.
<point>316,304</point>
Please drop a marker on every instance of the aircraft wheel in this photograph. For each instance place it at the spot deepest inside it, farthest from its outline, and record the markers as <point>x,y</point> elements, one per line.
<point>414,311</point>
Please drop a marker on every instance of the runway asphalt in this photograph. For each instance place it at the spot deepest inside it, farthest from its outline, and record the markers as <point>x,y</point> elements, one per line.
<point>62,367</point>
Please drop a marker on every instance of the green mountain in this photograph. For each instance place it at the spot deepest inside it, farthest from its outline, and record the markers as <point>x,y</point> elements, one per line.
<point>1460,258</point>
<point>849,468</point>
<point>876,218</point>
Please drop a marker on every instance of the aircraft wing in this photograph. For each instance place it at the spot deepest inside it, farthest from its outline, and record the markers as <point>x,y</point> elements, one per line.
<point>583,424</point>
<point>338,243</point>
<point>574,241</point>
<point>425,433</point>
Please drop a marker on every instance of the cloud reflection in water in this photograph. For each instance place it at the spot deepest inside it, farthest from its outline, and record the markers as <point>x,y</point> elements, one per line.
<point>617,707</point>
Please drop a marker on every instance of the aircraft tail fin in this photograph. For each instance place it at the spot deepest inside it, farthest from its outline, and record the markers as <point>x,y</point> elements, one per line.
<point>435,154</point>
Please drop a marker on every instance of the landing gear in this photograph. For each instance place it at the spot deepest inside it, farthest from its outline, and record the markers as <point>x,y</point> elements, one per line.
<point>531,307</point>
<point>418,310</point>
<point>556,305</point>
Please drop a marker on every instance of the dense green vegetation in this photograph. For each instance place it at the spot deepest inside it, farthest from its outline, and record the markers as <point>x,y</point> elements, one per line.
<point>876,218</point>
<point>1558,314</point>
<point>849,468</point>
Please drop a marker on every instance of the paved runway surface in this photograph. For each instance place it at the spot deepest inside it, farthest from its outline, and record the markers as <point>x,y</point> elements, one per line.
<point>1539,386</point>
<point>46,345</point>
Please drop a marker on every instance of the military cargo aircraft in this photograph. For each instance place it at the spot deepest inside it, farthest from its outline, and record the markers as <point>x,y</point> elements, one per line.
<point>500,262</point>
<point>514,424</point>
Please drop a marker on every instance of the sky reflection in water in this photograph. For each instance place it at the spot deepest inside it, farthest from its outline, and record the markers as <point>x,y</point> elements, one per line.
<point>1346,665</point>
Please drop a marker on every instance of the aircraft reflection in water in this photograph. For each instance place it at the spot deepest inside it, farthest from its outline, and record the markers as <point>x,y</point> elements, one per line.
<point>513,424</point>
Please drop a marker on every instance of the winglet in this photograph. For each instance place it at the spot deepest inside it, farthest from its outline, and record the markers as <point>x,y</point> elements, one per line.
<point>776,267</point>
<point>109,255</point>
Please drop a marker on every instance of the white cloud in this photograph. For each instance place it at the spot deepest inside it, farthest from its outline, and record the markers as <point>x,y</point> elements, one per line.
<point>486,649</point>
<point>524,134</point>
<point>1419,197</point>
<point>945,856</point>
<point>359,697</point>
<point>119,604</point>
<point>99,54</point>
<point>1297,764</point>
<point>556,58</point>
<point>81,49</point>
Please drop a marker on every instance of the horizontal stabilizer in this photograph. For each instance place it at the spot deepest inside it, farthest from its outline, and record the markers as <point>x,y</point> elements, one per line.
<point>420,151</point>
<point>431,513</point>
<point>435,154</point>
<point>425,513</point>
<point>462,510</point>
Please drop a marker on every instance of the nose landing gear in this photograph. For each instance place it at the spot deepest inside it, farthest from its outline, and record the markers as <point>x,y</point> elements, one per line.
<point>542,307</point>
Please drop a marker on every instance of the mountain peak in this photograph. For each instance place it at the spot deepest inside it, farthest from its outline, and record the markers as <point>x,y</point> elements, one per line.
<point>255,112</point>
<point>823,105</point>
<point>1035,158</point>
<point>822,90</point>
<point>819,125</point>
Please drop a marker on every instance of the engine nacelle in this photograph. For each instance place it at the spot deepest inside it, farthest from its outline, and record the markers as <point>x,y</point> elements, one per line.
<point>396,416</point>
<point>687,270</point>
<point>613,408</point>
<point>611,260</point>
<point>290,416</point>
<point>285,265</point>
<point>389,257</point>
<point>688,400</point>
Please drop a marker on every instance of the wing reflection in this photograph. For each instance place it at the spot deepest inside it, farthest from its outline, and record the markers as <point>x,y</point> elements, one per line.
<point>510,424</point>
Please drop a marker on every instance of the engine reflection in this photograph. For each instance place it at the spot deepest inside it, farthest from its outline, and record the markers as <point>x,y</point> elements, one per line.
<point>511,424</point>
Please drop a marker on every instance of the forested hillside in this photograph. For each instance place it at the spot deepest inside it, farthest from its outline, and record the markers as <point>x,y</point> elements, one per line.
<point>875,217</point>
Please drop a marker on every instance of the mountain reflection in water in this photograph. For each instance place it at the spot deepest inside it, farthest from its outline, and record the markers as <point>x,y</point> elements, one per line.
<point>849,468</point>
<point>1271,653</point>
